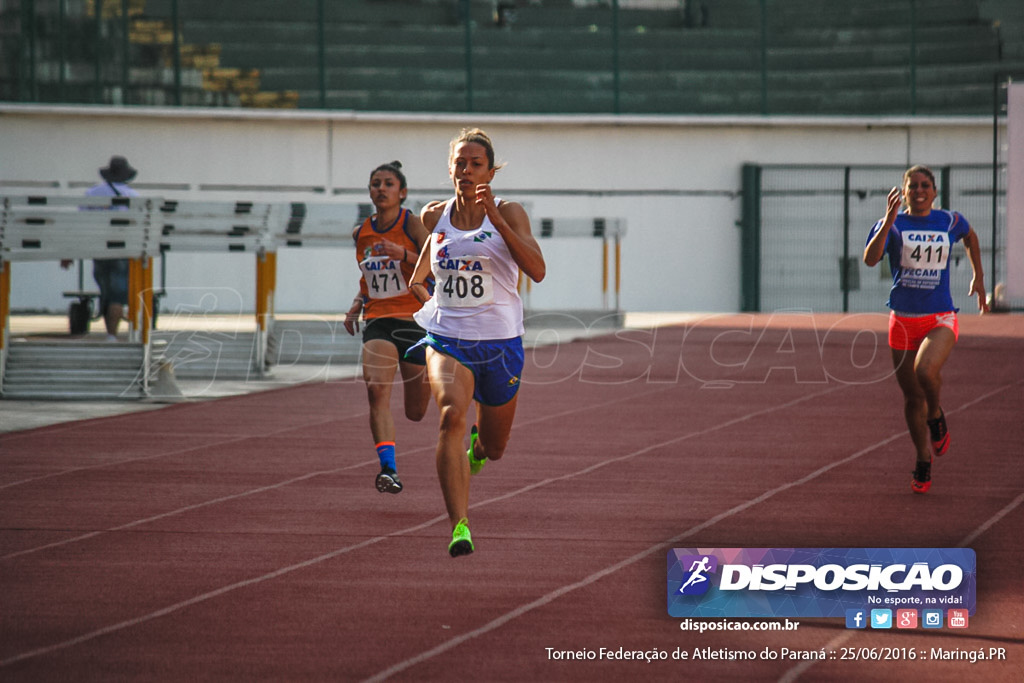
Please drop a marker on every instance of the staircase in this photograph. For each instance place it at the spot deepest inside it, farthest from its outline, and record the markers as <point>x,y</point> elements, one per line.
<point>210,355</point>
<point>319,342</point>
<point>73,370</point>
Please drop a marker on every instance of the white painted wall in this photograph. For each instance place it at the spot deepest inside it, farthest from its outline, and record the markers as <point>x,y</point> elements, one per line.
<point>1015,195</point>
<point>676,180</point>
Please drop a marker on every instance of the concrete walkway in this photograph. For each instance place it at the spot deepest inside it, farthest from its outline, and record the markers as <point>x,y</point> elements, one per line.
<point>544,328</point>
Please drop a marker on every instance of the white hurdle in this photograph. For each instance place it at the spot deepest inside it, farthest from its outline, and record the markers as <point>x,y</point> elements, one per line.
<point>605,229</point>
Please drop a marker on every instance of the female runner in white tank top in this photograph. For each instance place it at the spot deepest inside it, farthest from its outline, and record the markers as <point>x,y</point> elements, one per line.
<point>474,321</point>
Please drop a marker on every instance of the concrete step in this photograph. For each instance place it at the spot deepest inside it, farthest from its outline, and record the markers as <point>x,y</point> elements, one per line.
<point>210,355</point>
<point>312,341</point>
<point>73,370</point>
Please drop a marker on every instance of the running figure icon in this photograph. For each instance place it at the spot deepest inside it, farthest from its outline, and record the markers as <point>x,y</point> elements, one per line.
<point>697,570</point>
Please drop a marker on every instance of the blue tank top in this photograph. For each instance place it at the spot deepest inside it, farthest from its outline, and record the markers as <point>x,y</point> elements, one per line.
<point>918,248</point>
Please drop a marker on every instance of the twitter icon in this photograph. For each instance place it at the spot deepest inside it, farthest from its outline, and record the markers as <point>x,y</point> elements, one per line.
<point>881,618</point>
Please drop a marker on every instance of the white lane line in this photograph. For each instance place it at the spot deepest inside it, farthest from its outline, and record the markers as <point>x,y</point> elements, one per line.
<point>509,616</point>
<point>341,551</point>
<point>793,674</point>
<point>166,454</point>
<point>798,670</point>
<point>663,546</point>
<point>252,492</point>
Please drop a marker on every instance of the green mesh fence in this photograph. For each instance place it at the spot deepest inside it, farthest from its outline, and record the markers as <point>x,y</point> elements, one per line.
<point>814,223</point>
<point>895,57</point>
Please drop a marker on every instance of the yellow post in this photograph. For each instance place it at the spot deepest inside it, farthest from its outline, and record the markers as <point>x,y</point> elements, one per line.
<point>266,284</point>
<point>618,269</point>
<point>134,290</point>
<point>5,300</point>
<point>260,259</point>
<point>145,300</point>
<point>272,282</point>
<point>604,272</point>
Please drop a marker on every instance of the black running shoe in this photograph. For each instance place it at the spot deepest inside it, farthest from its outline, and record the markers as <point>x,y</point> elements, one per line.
<point>388,481</point>
<point>939,433</point>
<point>922,477</point>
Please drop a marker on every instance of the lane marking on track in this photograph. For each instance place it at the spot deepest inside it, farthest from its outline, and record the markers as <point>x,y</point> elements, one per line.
<point>802,668</point>
<point>798,670</point>
<point>215,444</point>
<point>113,628</point>
<point>250,492</point>
<point>523,609</point>
<point>664,545</point>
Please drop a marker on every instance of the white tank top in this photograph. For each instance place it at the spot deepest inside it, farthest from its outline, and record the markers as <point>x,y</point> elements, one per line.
<point>476,283</point>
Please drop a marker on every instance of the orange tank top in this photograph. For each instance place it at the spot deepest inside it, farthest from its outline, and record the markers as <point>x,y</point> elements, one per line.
<point>385,281</point>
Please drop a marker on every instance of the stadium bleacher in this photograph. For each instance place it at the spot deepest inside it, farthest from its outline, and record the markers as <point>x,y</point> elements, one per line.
<point>805,57</point>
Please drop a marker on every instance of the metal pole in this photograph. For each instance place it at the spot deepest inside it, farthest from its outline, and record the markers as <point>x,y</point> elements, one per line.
<point>33,81</point>
<point>764,57</point>
<point>467,17</point>
<point>177,52</point>
<point>750,239</point>
<point>913,57</point>
<point>945,197</point>
<point>125,51</point>
<point>617,107</point>
<point>996,83</point>
<point>844,276</point>
<point>62,76</point>
<point>322,52</point>
<point>97,86</point>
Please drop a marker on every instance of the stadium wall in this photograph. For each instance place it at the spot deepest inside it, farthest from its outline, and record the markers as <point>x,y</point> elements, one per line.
<point>676,181</point>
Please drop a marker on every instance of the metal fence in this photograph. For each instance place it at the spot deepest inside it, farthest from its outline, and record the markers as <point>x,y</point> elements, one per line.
<point>805,228</point>
<point>902,57</point>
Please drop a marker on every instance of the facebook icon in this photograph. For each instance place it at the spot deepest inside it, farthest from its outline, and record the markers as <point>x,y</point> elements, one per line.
<point>856,618</point>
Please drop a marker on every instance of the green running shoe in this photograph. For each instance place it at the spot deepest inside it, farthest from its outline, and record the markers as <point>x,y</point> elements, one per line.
<point>462,543</point>
<point>474,465</point>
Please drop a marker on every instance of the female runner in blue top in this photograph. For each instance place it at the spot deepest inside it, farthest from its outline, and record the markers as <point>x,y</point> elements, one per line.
<point>474,320</point>
<point>923,325</point>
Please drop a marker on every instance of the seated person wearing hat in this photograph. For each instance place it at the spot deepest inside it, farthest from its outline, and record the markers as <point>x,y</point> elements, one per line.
<point>111,275</point>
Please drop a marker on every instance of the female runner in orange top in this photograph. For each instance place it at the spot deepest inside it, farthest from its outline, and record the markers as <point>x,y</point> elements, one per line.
<point>387,246</point>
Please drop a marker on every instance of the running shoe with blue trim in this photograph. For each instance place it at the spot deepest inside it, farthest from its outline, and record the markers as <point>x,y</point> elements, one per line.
<point>474,465</point>
<point>462,542</point>
<point>388,481</point>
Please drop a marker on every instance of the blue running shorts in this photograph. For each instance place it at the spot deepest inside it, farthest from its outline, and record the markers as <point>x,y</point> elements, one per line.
<point>496,364</point>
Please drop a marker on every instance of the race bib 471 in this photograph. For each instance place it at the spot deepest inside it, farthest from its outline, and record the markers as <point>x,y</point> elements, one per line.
<point>383,277</point>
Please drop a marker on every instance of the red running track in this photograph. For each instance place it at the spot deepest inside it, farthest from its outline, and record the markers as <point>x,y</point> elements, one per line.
<point>242,538</point>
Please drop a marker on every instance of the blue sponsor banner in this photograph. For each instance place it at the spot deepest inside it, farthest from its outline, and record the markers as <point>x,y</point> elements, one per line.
<point>817,582</point>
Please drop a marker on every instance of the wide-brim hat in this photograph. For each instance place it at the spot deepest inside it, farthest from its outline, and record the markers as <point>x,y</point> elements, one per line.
<point>118,170</point>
